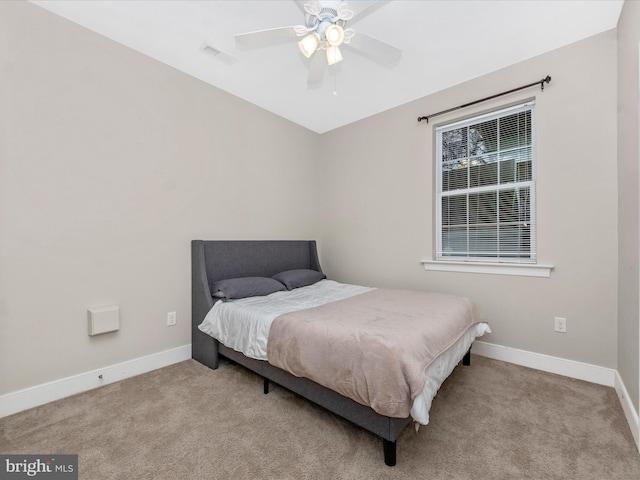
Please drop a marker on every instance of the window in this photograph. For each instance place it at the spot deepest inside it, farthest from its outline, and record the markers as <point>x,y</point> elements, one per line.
<point>485,200</point>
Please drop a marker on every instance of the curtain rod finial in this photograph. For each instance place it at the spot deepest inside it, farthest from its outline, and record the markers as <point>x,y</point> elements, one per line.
<point>546,79</point>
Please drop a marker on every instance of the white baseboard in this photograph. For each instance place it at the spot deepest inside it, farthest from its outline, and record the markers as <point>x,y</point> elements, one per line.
<point>569,368</point>
<point>20,400</point>
<point>629,410</point>
<point>547,363</point>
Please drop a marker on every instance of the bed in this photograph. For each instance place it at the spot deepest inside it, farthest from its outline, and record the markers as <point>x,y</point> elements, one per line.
<point>220,260</point>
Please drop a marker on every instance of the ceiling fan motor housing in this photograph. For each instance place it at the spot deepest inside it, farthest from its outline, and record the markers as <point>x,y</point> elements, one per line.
<point>327,15</point>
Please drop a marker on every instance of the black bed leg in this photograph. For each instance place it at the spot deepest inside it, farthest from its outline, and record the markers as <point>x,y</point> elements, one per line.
<point>389,452</point>
<point>266,385</point>
<point>466,360</point>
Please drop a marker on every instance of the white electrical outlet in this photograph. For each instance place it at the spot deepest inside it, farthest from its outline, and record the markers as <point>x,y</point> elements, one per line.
<point>560,324</point>
<point>172,318</point>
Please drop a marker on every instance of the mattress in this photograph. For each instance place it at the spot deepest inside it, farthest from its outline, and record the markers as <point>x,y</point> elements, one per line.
<point>243,325</point>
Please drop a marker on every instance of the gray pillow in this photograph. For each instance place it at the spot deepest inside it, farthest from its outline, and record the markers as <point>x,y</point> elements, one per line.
<point>245,287</point>
<point>299,278</point>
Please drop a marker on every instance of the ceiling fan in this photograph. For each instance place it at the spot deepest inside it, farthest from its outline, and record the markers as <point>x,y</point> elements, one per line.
<point>325,30</point>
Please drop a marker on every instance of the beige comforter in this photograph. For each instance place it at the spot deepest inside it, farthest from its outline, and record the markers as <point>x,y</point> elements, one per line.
<point>372,348</point>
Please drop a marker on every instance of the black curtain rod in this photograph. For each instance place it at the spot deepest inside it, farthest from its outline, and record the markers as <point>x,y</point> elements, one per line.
<point>546,79</point>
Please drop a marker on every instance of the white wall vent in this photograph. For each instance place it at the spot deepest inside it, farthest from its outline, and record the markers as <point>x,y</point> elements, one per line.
<point>218,54</point>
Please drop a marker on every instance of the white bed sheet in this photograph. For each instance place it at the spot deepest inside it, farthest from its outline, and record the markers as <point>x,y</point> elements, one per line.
<point>244,325</point>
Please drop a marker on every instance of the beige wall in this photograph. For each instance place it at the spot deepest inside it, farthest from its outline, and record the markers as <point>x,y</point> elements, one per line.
<point>628,157</point>
<point>379,222</point>
<point>110,163</point>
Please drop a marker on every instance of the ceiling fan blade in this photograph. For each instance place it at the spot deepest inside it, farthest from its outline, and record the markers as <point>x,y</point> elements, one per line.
<point>300,4</point>
<point>316,68</point>
<point>375,50</point>
<point>366,8</point>
<point>261,37</point>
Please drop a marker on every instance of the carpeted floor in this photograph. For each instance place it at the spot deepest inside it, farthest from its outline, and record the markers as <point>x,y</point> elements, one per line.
<point>491,420</point>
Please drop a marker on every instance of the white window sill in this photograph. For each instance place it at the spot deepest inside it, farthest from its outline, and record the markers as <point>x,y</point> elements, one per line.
<point>519,269</point>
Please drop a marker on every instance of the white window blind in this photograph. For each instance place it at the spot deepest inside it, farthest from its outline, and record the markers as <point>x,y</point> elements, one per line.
<point>485,205</point>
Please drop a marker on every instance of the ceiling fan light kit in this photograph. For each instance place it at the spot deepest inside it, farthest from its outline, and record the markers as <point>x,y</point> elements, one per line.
<point>334,35</point>
<point>309,44</point>
<point>325,20</point>
<point>334,55</point>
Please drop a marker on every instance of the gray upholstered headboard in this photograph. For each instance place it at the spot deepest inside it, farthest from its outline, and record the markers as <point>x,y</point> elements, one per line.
<point>213,260</point>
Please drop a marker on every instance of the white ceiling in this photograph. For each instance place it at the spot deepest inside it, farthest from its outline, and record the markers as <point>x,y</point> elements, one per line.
<point>443,43</point>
